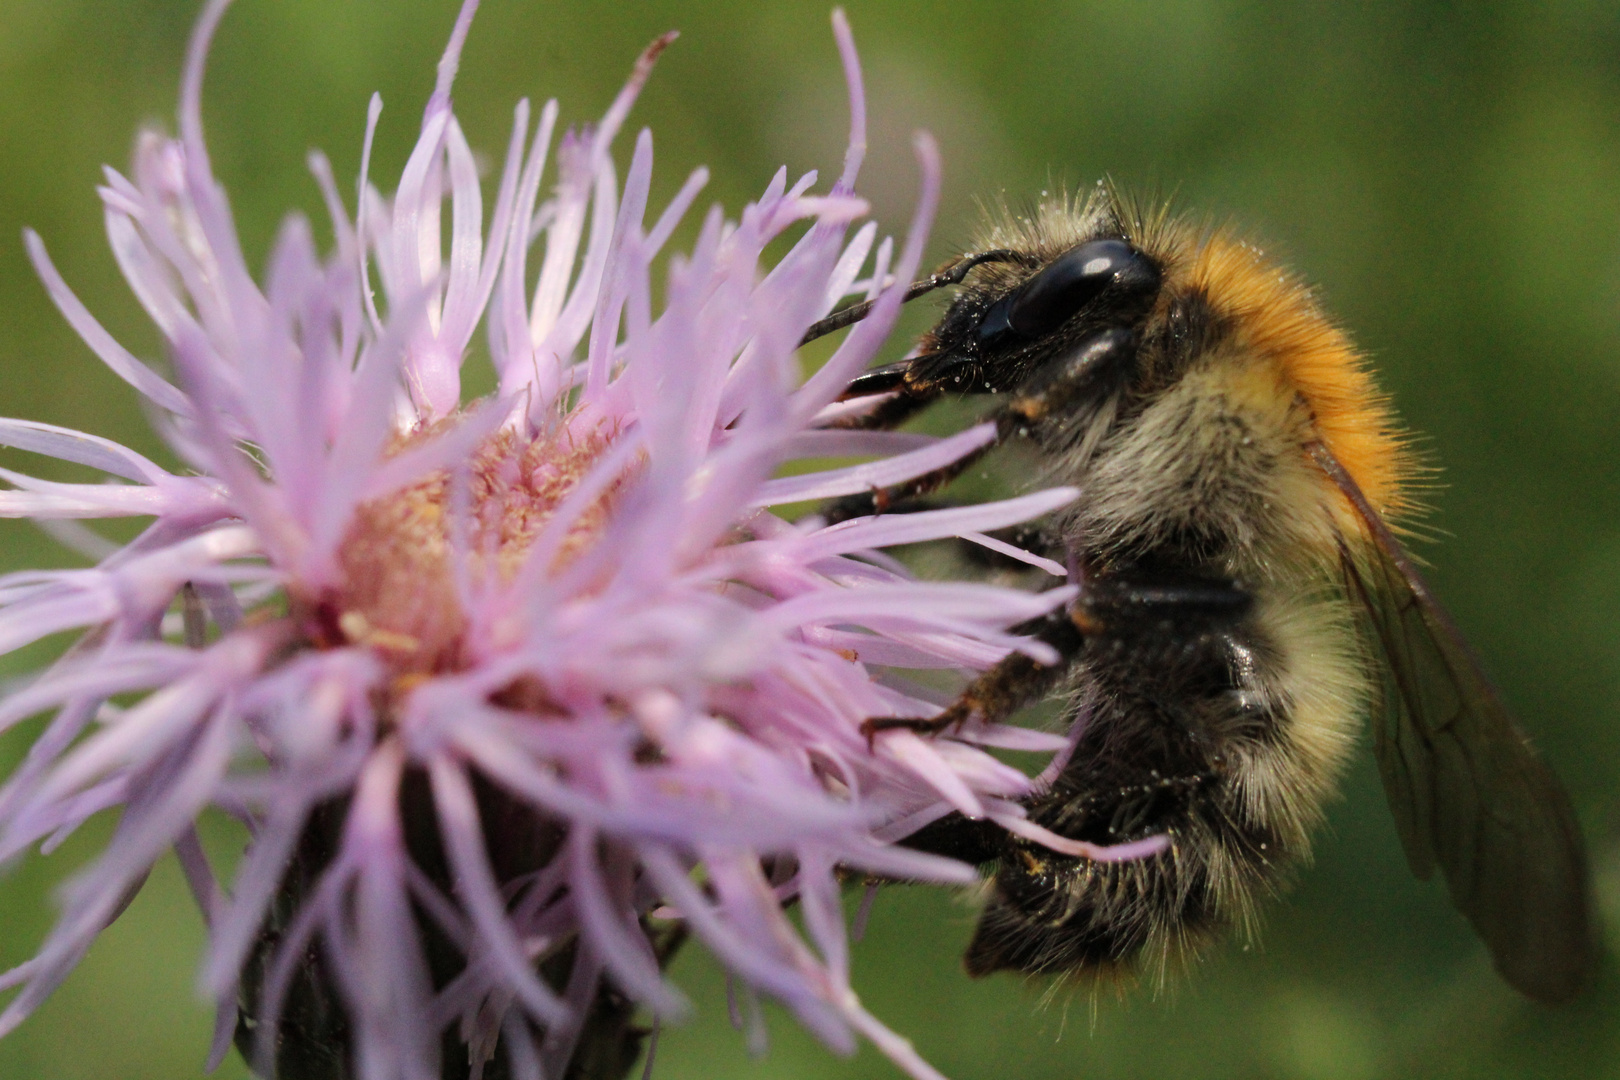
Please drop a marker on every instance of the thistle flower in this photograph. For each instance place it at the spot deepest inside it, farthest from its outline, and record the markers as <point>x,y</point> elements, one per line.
<point>510,692</point>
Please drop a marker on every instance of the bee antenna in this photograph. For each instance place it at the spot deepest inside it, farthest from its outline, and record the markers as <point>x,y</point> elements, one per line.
<point>951,275</point>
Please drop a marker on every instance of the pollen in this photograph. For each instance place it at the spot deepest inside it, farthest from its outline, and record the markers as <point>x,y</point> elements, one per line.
<point>406,560</point>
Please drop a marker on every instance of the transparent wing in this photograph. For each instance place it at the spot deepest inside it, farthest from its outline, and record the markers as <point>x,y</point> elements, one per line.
<point>1467,791</point>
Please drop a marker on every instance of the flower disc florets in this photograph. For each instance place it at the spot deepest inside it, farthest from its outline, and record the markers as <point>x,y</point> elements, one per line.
<point>512,693</point>
<point>402,560</point>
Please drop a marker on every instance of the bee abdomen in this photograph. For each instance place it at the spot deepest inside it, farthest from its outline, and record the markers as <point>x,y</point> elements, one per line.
<point>1051,913</point>
<point>1181,708</point>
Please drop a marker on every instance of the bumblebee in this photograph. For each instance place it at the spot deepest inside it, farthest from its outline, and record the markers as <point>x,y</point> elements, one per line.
<point>1244,605</point>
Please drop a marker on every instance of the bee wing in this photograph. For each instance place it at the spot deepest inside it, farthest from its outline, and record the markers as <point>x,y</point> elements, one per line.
<point>1467,791</point>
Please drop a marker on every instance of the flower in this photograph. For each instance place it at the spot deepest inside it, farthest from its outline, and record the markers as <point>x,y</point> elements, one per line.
<point>510,692</point>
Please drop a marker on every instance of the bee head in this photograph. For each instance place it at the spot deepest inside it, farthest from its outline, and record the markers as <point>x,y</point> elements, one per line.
<point>1023,314</point>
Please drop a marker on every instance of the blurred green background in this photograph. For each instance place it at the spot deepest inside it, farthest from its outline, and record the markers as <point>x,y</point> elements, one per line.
<point>1448,174</point>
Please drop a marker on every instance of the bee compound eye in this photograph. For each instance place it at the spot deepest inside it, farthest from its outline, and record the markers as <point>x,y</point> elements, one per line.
<point>1076,278</point>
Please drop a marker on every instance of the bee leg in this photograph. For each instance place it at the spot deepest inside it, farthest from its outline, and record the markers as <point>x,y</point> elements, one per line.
<point>1054,391</point>
<point>888,379</point>
<point>1011,684</point>
<point>903,403</point>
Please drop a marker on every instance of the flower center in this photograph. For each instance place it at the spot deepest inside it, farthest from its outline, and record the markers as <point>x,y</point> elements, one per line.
<point>406,561</point>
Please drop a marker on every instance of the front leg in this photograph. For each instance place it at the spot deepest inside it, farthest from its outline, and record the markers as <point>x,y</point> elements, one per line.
<point>1048,395</point>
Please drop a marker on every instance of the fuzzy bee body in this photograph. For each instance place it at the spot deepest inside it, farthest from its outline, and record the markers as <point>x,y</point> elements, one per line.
<point>1243,606</point>
<point>1222,725</point>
